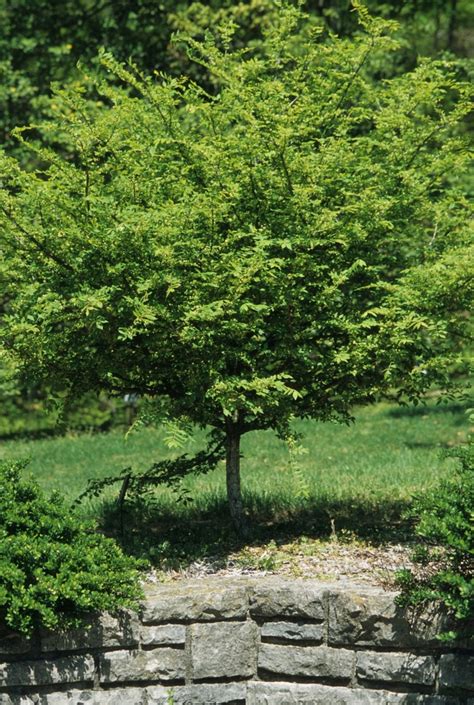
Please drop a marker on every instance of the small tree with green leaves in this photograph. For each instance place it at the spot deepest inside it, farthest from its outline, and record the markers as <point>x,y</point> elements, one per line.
<point>249,255</point>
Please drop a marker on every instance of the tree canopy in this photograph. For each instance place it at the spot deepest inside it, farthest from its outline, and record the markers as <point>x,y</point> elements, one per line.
<point>42,41</point>
<point>250,255</point>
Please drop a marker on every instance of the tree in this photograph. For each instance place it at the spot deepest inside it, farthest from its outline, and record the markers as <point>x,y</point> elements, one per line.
<point>249,256</point>
<point>42,41</point>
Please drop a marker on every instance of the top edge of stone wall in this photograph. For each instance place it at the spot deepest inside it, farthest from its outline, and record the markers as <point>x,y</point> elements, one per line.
<point>349,614</point>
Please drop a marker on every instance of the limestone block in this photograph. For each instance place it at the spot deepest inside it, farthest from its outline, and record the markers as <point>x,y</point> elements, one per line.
<point>224,650</point>
<point>205,601</point>
<point>306,661</point>
<point>163,635</point>
<point>261,693</point>
<point>72,697</point>
<point>397,668</point>
<point>371,618</point>
<point>156,665</point>
<point>102,630</point>
<point>44,699</point>
<point>217,694</point>
<point>117,696</point>
<point>285,598</point>
<point>202,694</point>
<point>71,669</point>
<point>6,699</point>
<point>292,631</point>
<point>120,696</point>
<point>457,671</point>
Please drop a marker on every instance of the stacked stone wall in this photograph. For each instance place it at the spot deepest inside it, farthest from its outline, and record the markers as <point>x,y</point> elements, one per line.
<point>259,641</point>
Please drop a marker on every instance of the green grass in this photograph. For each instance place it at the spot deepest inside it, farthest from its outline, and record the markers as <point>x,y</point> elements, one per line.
<point>358,479</point>
<point>388,451</point>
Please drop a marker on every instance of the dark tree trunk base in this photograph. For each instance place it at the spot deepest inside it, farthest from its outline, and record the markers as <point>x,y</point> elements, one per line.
<point>234,494</point>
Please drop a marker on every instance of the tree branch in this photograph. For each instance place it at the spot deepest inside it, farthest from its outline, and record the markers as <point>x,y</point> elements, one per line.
<point>289,184</point>
<point>37,243</point>
<point>349,83</point>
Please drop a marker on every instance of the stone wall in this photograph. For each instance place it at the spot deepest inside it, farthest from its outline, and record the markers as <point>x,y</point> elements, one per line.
<point>254,641</point>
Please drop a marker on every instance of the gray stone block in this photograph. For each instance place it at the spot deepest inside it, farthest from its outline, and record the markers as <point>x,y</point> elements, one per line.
<point>72,697</point>
<point>260,693</point>
<point>397,668</point>
<point>224,650</point>
<point>370,617</point>
<point>71,669</point>
<point>161,695</point>
<point>419,699</point>
<point>120,696</point>
<point>292,631</point>
<point>309,694</point>
<point>457,671</point>
<point>102,630</point>
<point>203,601</point>
<point>6,699</point>
<point>306,661</point>
<point>163,635</point>
<point>157,665</point>
<point>285,598</point>
<point>202,694</point>
<point>117,696</point>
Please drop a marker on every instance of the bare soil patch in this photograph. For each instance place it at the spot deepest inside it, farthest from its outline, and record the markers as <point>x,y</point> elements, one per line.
<point>348,560</point>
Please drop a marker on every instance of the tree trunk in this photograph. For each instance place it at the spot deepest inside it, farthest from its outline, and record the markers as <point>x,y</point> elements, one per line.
<point>232,466</point>
<point>452,24</point>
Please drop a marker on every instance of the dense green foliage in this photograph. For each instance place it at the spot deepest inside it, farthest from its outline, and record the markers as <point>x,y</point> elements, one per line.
<point>54,568</point>
<point>41,41</point>
<point>445,559</point>
<point>264,252</point>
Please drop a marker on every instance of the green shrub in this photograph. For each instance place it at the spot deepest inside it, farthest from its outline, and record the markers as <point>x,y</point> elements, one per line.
<point>55,568</point>
<point>444,562</point>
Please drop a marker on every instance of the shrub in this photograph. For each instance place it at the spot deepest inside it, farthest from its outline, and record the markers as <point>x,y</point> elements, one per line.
<point>445,560</point>
<point>55,568</point>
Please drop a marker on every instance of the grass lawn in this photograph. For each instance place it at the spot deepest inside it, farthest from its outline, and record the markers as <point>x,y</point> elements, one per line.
<point>353,480</point>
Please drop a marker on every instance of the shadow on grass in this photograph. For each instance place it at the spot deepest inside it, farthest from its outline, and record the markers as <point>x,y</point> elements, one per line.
<point>175,540</point>
<point>455,408</point>
<point>58,431</point>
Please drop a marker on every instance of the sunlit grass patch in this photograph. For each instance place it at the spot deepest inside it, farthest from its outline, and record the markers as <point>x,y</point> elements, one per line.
<point>353,481</point>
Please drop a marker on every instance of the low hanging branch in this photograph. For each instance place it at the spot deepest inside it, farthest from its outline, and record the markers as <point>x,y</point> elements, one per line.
<point>168,472</point>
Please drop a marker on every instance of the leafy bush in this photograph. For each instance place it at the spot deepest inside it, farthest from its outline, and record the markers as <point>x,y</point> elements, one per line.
<point>55,568</point>
<point>445,561</point>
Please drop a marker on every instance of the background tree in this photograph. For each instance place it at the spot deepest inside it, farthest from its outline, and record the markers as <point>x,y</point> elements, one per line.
<point>249,256</point>
<point>42,41</point>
